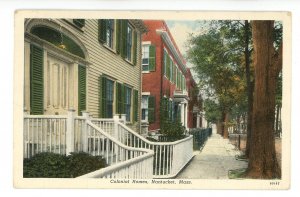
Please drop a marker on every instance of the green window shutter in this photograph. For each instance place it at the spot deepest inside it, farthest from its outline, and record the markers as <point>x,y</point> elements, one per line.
<point>118,36</point>
<point>168,67</point>
<point>171,70</point>
<point>119,98</point>
<point>79,22</point>
<point>152,57</point>
<point>36,80</point>
<point>124,27</point>
<point>134,47</point>
<point>151,109</point>
<point>81,89</point>
<point>123,99</point>
<point>135,105</point>
<point>165,62</point>
<point>102,97</point>
<point>102,30</point>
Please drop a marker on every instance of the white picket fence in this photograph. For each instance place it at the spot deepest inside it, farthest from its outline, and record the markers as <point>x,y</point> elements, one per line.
<point>128,153</point>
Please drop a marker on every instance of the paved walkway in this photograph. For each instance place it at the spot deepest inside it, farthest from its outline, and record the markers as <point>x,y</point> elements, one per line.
<point>214,161</point>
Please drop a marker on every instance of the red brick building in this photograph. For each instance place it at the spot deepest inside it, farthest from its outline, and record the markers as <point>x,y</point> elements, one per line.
<point>165,78</point>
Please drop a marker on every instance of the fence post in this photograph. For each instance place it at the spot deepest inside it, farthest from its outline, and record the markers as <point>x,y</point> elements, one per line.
<point>116,127</point>
<point>123,118</point>
<point>85,134</point>
<point>239,143</point>
<point>70,132</point>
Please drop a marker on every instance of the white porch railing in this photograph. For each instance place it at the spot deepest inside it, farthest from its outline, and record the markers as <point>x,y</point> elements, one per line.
<point>135,168</point>
<point>169,157</point>
<point>65,134</point>
<point>44,134</point>
<point>121,147</point>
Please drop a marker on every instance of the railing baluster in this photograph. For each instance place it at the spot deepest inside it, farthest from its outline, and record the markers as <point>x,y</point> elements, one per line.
<point>107,149</point>
<point>98,147</point>
<point>94,144</point>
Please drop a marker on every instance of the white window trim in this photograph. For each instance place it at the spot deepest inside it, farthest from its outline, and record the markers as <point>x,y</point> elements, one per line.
<point>132,43</point>
<point>146,71</point>
<point>113,48</point>
<point>147,117</point>
<point>146,43</point>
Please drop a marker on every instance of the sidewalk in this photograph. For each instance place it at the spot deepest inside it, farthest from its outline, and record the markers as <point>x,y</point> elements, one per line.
<point>214,161</point>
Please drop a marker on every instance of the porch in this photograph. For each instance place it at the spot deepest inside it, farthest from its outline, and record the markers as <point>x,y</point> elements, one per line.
<point>128,154</point>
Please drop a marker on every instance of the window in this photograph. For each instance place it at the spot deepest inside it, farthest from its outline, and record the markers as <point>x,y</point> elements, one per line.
<point>128,103</point>
<point>165,63</point>
<point>145,108</point>
<point>106,93</point>
<point>129,43</point>
<point>145,58</point>
<point>109,98</point>
<point>110,33</point>
<point>171,70</point>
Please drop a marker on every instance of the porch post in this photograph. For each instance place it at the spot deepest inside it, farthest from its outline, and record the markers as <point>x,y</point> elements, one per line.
<point>123,117</point>
<point>198,121</point>
<point>70,132</point>
<point>85,133</point>
<point>116,126</point>
<point>186,115</point>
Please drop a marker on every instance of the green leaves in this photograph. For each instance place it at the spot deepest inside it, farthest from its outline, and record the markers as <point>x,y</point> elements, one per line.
<point>51,165</point>
<point>218,56</point>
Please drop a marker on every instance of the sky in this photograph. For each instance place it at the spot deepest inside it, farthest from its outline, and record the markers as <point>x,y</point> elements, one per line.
<point>180,31</point>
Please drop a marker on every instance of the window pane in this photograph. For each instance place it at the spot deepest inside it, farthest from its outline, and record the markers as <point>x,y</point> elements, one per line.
<point>129,42</point>
<point>110,33</point>
<point>109,98</point>
<point>128,103</point>
<point>145,101</point>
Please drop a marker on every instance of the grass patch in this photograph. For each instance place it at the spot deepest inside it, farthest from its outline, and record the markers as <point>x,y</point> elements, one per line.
<point>237,174</point>
<point>241,157</point>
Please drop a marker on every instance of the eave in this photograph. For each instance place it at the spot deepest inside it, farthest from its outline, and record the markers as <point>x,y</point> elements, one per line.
<point>166,38</point>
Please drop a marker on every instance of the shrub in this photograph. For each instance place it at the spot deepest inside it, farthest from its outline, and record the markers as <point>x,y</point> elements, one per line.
<point>52,165</point>
<point>172,130</point>
<point>82,163</point>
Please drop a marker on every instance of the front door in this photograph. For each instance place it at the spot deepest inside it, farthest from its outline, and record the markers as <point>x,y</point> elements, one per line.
<point>57,88</point>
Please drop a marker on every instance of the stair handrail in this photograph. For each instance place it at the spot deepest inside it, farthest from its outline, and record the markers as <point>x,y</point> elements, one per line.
<point>150,142</point>
<point>115,140</point>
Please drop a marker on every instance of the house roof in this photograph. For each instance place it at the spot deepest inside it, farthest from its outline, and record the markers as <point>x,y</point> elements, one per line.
<point>171,45</point>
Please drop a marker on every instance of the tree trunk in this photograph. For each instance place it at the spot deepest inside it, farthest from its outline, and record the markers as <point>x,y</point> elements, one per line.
<point>223,123</point>
<point>219,127</point>
<point>277,120</point>
<point>225,131</point>
<point>238,123</point>
<point>249,86</point>
<point>262,156</point>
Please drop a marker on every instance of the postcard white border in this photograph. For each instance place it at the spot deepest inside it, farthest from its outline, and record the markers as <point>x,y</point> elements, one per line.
<point>20,15</point>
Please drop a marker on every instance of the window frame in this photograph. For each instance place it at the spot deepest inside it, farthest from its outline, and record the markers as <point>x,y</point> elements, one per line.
<point>145,108</point>
<point>110,43</point>
<point>143,54</point>
<point>129,53</point>
<point>128,98</point>
<point>107,100</point>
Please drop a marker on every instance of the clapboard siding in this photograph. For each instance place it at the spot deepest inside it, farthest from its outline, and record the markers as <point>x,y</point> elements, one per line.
<point>105,61</point>
<point>100,60</point>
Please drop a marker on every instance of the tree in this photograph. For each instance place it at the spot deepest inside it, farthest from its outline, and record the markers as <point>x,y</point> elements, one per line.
<point>267,65</point>
<point>217,56</point>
